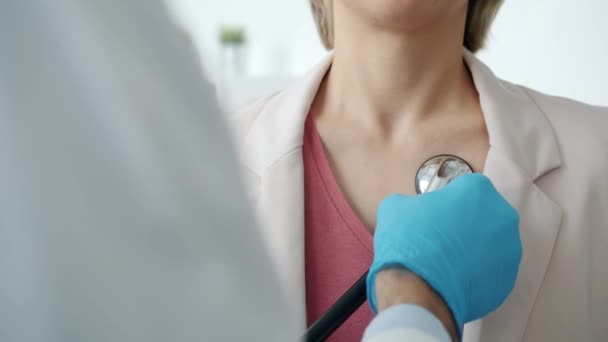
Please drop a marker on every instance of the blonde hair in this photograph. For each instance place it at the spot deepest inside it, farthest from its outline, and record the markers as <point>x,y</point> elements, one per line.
<point>480,15</point>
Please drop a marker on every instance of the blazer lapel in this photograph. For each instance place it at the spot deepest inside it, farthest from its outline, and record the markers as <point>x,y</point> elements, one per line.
<point>272,151</point>
<point>523,148</point>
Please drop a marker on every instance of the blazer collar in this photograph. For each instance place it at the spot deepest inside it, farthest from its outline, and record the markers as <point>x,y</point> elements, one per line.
<point>279,128</point>
<point>516,125</point>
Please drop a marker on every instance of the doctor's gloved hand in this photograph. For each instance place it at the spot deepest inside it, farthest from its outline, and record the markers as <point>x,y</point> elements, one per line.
<point>462,240</point>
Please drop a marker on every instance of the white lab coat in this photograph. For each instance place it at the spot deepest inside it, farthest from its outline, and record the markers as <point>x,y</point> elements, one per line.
<point>121,217</point>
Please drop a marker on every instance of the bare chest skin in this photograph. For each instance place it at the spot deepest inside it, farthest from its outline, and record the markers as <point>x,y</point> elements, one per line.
<point>368,169</point>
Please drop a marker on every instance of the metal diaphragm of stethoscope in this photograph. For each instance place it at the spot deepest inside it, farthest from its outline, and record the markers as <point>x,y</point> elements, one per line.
<point>439,171</point>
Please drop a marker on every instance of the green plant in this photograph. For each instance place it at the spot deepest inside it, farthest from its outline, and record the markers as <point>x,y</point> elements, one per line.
<point>232,35</point>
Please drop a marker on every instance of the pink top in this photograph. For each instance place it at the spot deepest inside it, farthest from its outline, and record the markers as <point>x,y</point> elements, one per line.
<point>338,246</point>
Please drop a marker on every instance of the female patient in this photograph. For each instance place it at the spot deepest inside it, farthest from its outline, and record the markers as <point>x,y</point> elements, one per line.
<point>402,85</point>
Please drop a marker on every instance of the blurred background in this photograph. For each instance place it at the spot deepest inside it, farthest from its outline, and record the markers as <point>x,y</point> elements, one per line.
<point>251,48</point>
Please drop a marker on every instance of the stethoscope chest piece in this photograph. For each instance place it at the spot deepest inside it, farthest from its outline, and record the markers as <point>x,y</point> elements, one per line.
<point>439,171</point>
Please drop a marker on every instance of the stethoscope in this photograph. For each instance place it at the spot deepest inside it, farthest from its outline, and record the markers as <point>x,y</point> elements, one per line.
<point>433,174</point>
<point>439,171</point>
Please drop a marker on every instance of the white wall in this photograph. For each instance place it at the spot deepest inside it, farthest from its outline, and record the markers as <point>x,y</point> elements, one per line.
<point>281,33</point>
<point>556,46</point>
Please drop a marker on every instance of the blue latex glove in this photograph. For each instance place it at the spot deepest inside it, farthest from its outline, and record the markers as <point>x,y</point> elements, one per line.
<point>463,240</point>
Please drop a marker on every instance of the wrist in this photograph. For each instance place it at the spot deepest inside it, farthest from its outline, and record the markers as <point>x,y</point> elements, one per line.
<point>399,286</point>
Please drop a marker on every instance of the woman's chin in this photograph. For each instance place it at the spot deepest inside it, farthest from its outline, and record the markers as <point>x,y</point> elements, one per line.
<point>404,13</point>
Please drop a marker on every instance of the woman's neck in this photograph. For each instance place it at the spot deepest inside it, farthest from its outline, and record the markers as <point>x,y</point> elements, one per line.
<point>385,76</point>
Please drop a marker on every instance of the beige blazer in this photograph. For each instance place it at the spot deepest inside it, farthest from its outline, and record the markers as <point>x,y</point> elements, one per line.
<point>548,156</point>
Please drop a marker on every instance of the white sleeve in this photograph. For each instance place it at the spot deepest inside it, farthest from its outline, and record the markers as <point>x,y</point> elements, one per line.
<point>406,323</point>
